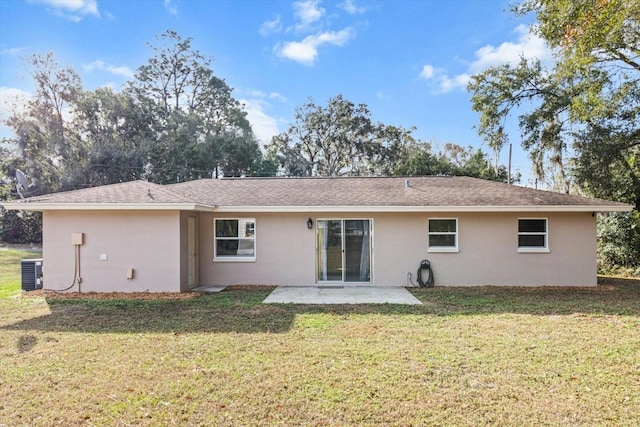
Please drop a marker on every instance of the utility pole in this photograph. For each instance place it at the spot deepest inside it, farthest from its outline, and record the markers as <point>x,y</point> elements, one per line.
<point>509,171</point>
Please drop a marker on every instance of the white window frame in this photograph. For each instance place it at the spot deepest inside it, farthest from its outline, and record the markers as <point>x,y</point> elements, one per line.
<point>451,249</point>
<point>534,249</point>
<point>236,258</point>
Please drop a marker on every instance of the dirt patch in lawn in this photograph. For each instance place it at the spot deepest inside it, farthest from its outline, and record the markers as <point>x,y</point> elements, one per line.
<point>112,295</point>
<point>168,296</point>
<point>250,288</point>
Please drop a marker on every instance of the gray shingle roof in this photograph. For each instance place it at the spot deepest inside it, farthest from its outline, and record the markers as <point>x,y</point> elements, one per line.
<point>132,192</point>
<point>428,191</point>
<point>353,193</point>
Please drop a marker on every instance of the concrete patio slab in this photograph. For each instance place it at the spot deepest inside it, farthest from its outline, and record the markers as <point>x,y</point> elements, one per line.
<point>341,295</point>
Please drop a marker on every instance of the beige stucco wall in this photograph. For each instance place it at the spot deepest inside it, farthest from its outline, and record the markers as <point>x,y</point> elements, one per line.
<point>488,250</point>
<point>149,242</point>
<point>154,244</point>
<point>184,247</point>
<point>285,252</point>
<point>488,253</point>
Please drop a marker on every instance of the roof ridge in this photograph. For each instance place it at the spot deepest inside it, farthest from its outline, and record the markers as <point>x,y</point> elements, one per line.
<point>257,178</point>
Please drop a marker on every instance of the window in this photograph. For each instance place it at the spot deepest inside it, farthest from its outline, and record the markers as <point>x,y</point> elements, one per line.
<point>235,239</point>
<point>533,235</point>
<point>443,235</point>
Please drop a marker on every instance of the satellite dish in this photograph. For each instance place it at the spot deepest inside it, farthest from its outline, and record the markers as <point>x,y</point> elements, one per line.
<point>23,184</point>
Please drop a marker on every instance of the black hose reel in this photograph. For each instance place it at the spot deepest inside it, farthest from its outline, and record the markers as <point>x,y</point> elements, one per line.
<point>425,270</point>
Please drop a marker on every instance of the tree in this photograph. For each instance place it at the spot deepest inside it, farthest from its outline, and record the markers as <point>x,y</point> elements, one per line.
<point>619,241</point>
<point>598,45</point>
<point>51,154</point>
<point>454,160</point>
<point>589,32</point>
<point>546,126</point>
<point>337,140</point>
<point>198,128</point>
<point>116,133</point>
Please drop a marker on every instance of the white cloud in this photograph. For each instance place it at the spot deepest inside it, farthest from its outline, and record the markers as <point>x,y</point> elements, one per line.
<point>447,83</point>
<point>270,95</point>
<point>11,99</point>
<point>307,12</point>
<point>264,126</point>
<point>270,27</point>
<point>306,51</point>
<point>171,8</point>
<point>12,51</point>
<point>528,46</point>
<point>113,69</point>
<point>73,10</point>
<point>350,7</point>
<point>427,72</point>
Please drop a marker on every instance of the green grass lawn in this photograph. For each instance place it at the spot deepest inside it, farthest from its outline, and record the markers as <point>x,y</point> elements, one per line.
<point>471,356</point>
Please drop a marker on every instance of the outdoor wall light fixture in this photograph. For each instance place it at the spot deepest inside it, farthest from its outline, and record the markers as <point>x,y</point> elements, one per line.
<point>309,223</point>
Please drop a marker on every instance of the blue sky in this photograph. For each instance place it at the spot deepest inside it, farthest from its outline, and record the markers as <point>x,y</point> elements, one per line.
<point>408,60</point>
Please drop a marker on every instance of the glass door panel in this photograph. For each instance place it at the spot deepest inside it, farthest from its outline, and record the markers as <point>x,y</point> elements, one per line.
<point>357,251</point>
<point>329,250</point>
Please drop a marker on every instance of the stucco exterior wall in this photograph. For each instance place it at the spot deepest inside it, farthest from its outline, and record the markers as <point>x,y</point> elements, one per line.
<point>155,245</point>
<point>149,242</point>
<point>488,250</point>
<point>285,252</point>
<point>487,242</point>
<point>184,250</point>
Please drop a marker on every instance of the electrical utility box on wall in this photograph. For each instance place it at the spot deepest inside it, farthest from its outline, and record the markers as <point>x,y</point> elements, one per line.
<point>31,274</point>
<point>77,239</point>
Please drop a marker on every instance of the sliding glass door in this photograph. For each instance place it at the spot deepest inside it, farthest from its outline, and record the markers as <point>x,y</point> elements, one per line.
<point>344,250</point>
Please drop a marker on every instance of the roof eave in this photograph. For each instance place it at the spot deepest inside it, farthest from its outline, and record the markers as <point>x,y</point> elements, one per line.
<point>520,208</point>
<point>36,206</point>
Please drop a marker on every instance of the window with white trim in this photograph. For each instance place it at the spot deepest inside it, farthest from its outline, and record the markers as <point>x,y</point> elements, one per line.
<point>533,235</point>
<point>443,234</point>
<point>234,239</point>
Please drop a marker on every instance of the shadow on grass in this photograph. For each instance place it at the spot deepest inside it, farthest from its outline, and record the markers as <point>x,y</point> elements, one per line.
<point>242,311</point>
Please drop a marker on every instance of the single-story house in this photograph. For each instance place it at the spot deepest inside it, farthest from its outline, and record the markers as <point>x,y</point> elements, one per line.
<point>375,231</point>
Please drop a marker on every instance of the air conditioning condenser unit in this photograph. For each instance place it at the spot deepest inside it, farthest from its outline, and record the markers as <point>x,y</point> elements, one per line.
<point>31,274</point>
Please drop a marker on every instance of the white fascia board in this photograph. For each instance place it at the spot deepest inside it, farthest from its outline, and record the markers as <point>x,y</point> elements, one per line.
<point>26,206</point>
<point>525,208</point>
<point>306,209</point>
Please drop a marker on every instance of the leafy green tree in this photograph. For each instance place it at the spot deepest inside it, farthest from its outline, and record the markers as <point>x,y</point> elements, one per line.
<point>589,32</point>
<point>51,154</point>
<point>598,45</point>
<point>546,125</point>
<point>421,161</point>
<point>20,227</point>
<point>117,133</point>
<point>198,128</point>
<point>454,160</point>
<point>336,140</point>
<point>619,241</point>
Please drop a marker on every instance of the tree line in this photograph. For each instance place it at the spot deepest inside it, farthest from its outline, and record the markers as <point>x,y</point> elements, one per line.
<point>177,121</point>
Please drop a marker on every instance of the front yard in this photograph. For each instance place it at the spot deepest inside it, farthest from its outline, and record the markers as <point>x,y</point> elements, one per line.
<point>467,357</point>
